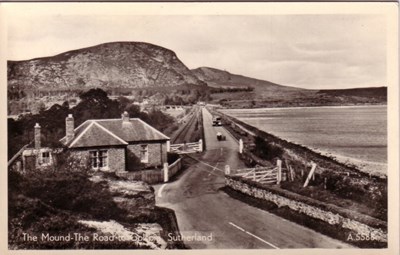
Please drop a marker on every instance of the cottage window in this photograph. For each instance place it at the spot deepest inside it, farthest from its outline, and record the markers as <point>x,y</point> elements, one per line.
<point>45,158</point>
<point>144,153</point>
<point>99,159</point>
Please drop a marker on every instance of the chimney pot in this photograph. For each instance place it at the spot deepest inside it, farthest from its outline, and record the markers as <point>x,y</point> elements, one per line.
<point>69,128</point>
<point>37,136</point>
<point>125,117</point>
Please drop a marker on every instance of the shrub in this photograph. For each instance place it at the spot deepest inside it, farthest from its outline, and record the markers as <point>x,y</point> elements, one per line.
<point>266,150</point>
<point>67,187</point>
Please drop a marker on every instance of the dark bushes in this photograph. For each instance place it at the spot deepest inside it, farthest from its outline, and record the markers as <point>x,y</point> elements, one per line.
<point>68,188</point>
<point>266,150</point>
<point>52,201</point>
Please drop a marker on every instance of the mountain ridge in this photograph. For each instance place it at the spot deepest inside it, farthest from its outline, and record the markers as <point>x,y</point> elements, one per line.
<point>113,64</point>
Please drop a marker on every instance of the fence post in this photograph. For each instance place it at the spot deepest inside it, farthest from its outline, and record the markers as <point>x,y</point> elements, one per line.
<point>314,166</point>
<point>166,176</point>
<point>279,176</point>
<point>289,174</point>
<point>168,146</point>
<point>240,146</point>
<point>292,173</point>
<point>227,170</point>
<point>18,166</point>
<point>201,145</point>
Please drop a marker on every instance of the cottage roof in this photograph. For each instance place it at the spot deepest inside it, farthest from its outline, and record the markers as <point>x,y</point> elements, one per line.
<point>108,132</point>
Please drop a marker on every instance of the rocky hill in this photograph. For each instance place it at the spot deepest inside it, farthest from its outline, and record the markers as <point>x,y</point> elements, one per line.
<point>109,65</point>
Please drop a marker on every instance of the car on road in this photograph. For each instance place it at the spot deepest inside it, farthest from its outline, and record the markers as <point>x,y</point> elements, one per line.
<point>216,121</point>
<point>220,137</point>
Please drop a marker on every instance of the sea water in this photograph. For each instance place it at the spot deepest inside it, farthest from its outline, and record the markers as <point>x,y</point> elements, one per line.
<point>353,134</point>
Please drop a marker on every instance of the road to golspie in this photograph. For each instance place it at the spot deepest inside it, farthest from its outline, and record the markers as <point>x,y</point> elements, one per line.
<point>203,210</point>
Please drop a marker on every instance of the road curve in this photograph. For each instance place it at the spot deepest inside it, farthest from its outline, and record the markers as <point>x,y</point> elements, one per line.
<point>205,212</point>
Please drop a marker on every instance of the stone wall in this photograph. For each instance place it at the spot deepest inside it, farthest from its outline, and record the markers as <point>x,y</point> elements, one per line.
<point>332,218</point>
<point>116,158</point>
<point>31,159</point>
<point>157,153</point>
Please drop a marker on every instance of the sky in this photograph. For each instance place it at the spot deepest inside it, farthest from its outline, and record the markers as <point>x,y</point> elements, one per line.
<point>309,51</point>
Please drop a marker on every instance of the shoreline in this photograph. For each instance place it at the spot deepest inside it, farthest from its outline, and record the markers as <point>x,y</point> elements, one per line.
<point>374,168</point>
<point>305,107</point>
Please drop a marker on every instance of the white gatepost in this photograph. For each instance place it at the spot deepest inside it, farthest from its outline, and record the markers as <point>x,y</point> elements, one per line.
<point>227,170</point>
<point>166,172</point>
<point>279,176</point>
<point>168,146</point>
<point>240,146</point>
<point>201,145</point>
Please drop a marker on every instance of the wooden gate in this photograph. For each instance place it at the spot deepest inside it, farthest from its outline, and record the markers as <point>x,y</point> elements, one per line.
<point>185,148</point>
<point>262,174</point>
<point>259,174</point>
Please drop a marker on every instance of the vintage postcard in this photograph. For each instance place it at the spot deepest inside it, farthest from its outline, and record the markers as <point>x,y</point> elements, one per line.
<point>192,127</point>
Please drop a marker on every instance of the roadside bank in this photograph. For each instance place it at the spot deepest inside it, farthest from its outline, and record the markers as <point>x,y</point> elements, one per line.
<point>333,183</point>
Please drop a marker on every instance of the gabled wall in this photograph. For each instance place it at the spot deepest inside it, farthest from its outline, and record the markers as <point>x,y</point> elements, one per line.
<point>116,157</point>
<point>31,159</point>
<point>157,152</point>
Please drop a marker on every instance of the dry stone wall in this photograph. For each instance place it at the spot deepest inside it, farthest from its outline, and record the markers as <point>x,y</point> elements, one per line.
<point>359,228</point>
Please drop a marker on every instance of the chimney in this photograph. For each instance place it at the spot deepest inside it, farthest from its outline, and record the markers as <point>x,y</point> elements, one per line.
<point>125,117</point>
<point>37,136</point>
<point>69,128</point>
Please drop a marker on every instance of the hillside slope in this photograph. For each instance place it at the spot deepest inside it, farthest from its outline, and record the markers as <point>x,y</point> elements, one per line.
<point>117,64</point>
<point>217,78</point>
<point>268,94</point>
<point>262,90</point>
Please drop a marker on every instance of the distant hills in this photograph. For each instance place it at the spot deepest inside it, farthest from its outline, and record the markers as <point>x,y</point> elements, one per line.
<point>269,94</point>
<point>216,77</point>
<point>377,92</point>
<point>144,70</point>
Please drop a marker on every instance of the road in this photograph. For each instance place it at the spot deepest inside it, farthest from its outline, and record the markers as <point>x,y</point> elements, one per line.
<point>205,211</point>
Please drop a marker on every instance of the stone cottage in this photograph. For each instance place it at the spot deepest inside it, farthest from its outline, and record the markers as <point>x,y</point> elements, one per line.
<point>115,144</point>
<point>109,144</point>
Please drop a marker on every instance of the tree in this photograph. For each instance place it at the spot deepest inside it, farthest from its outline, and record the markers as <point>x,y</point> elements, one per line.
<point>98,94</point>
<point>124,102</point>
<point>95,104</point>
